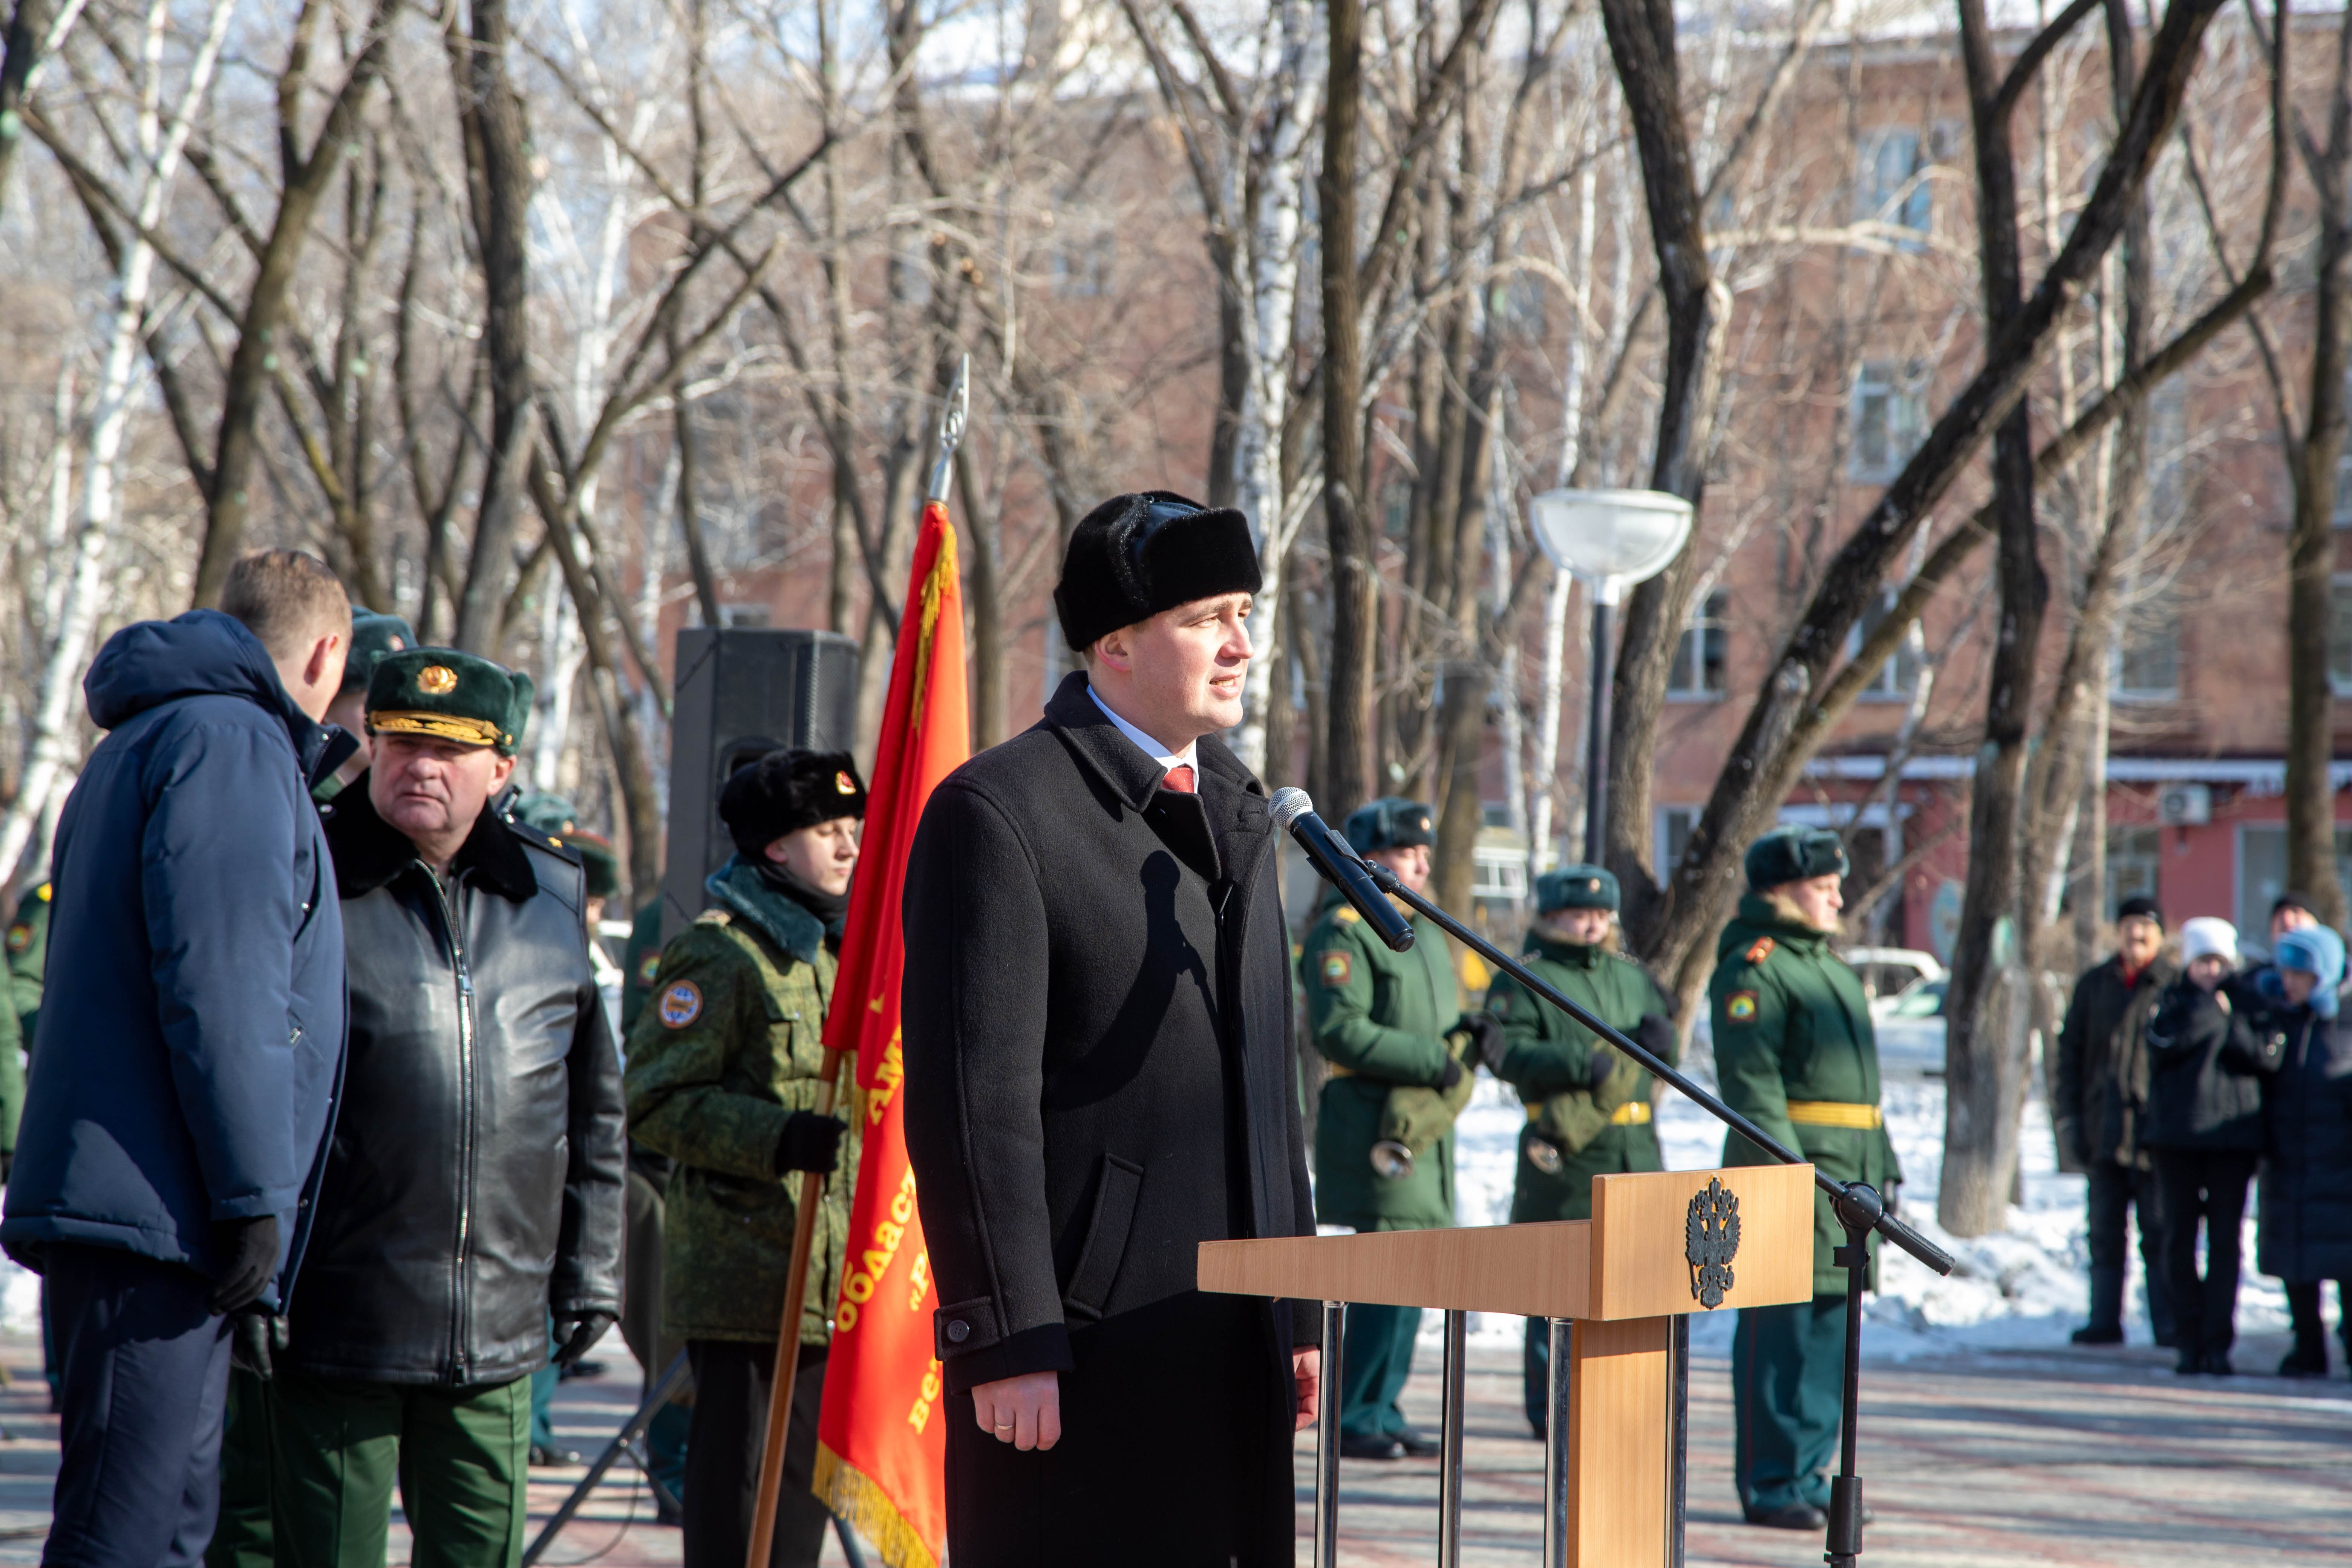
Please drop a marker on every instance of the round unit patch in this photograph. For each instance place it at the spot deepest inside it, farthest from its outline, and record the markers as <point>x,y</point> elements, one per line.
<point>681,1005</point>
<point>1741,1009</point>
<point>20,937</point>
<point>1335,968</point>
<point>437,680</point>
<point>647,967</point>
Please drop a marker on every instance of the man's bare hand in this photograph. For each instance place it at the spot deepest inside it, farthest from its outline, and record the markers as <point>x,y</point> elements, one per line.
<point>1025,1411</point>
<point>1307,1371</point>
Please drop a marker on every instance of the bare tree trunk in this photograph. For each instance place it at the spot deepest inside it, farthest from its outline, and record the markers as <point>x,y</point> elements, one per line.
<point>689,511</point>
<point>1355,590</point>
<point>252,375</point>
<point>36,29</point>
<point>498,180</point>
<point>1983,1057</point>
<point>2311,543</point>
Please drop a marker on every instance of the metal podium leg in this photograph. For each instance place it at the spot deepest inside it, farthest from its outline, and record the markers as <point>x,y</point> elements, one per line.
<point>1326,1439</point>
<point>1556,1455</point>
<point>1678,1437</point>
<point>1449,1472</point>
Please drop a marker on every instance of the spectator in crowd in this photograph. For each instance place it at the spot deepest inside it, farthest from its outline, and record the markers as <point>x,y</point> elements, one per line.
<point>2205,1130</point>
<point>20,1009</point>
<point>1588,1105</point>
<point>2305,1053</point>
<point>724,1069</point>
<point>184,1066</point>
<point>2111,1007</point>
<point>474,1189</point>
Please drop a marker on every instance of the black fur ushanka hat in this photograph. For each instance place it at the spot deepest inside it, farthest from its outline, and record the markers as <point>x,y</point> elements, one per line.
<point>786,791</point>
<point>1136,556</point>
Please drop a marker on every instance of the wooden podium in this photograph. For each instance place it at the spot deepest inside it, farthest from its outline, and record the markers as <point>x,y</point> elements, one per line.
<point>1618,1287</point>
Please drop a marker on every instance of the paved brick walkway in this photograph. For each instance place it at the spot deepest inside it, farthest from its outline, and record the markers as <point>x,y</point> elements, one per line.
<point>2089,1461</point>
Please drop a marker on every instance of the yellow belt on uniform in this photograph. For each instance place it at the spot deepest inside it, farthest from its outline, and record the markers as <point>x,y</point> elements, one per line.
<point>1633,1113</point>
<point>1335,1069</point>
<point>1835,1113</point>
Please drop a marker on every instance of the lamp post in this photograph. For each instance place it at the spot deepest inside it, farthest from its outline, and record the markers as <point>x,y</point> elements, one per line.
<point>1611,539</point>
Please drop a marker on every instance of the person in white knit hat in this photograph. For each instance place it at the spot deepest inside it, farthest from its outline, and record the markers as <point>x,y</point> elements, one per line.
<point>2205,1132</point>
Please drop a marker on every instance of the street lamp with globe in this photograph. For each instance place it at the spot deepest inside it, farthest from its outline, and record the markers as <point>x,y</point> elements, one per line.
<point>1611,539</point>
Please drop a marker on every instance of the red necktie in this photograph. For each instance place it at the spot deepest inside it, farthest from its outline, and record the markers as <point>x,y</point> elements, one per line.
<point>1179,778</point>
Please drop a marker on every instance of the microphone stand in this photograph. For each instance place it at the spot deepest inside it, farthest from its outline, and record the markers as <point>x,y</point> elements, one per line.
<point>1859,1208</point>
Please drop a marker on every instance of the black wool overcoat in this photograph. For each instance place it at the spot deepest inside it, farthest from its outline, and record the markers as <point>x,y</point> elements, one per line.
<point>2306,1185</point>
<point>1097,1036</point>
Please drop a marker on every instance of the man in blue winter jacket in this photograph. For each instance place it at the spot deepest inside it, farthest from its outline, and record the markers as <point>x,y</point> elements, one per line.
<point>190,1044</point>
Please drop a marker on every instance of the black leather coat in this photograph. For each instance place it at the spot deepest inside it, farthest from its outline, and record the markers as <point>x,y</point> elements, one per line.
<point>474,1179</point>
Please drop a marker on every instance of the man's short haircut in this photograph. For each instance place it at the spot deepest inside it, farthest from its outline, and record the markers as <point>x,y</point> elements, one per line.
<point>286,598</point>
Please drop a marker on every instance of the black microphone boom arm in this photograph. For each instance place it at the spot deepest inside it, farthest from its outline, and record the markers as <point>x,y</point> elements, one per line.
<point>1850,1197</point>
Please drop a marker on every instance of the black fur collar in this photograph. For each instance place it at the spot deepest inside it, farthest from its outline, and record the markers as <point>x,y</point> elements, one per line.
<point>370,852</point>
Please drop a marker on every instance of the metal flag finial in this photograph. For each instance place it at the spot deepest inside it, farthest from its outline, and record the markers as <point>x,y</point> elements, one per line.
<point>952,423</point>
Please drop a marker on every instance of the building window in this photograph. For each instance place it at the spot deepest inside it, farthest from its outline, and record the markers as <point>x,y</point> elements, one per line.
<point>2133,857</point>
<point>1698,674</point>
<point>1082,266</point>
<point>1890,184</point>
<point>1899,675</point>
<point>2261,876</point>
<point>1890,415</point>
<point>2147,666</point>
<point>1675,825</point>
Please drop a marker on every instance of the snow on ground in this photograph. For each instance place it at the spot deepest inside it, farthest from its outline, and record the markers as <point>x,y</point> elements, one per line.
<point>2022,1286</point>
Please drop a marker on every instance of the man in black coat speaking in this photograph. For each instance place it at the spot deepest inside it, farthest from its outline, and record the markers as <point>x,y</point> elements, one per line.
<point>1099,1077</point>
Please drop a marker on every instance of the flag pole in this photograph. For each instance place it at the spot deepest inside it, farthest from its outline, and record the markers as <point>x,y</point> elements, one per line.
<point>769,1496</point>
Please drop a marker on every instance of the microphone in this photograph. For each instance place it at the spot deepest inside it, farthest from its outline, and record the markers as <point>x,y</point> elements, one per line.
<point>1340,867</point>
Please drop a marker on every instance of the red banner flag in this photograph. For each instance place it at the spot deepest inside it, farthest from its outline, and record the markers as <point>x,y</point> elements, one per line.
<point>881,1461</point>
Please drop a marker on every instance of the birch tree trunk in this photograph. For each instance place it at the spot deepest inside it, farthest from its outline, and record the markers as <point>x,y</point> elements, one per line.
<point>160,146</point>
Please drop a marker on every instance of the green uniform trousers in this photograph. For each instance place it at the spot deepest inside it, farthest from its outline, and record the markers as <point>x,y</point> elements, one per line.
<point>1787,1376</point>
<point>458,1456</point>
<point>1373,1367</point>
<point>241,1535</point>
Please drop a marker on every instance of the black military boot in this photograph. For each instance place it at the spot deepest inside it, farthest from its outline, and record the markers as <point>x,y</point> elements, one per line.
<point>2106,1324</point>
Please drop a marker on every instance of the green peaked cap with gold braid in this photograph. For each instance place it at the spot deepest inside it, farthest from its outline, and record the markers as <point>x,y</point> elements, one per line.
<point>448,695</point>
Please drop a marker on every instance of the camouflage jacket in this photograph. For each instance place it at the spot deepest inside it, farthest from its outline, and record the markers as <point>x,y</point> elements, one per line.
<point>728,1047</point>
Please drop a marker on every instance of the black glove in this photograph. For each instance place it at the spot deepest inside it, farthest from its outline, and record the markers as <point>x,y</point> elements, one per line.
<point>1485,1033</point>
<point>248,1253</point>
<point>1655,1034</point>
<point>1602,1062</point>
<point>255,1335</point>
<point>575,1337</point>
<point>809,1142</point>
<point>1451,1075</point>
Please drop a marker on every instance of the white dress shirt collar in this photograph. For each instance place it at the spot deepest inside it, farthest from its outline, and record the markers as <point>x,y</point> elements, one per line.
<point>1187,758</point>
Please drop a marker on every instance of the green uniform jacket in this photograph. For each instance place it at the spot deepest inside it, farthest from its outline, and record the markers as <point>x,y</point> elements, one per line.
<point>730,1047</point>
<point>1791,1023</point>
<point>1545,1057</point>
<point>28,952</point>
<point>1379,1018</point>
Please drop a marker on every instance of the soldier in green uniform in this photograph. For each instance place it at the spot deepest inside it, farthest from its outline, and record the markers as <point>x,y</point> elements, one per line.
<point>722,1078</point>
<point>1588,1104</point>
<point>1794,1052</point>
<point>642,1290</point>
<point>20,1009</point>
<point>1401,1062</point>
<point>372,637</point>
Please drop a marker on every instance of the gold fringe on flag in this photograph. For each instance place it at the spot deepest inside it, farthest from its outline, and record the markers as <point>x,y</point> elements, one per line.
<point>866,1508</point>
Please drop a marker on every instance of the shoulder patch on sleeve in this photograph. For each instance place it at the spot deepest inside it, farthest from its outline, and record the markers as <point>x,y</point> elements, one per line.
<point>1742,1008</point>
<point>20,937</point>
<point>1760,949</point>
<point>1335,967</point>
<point>647,967</point>
<point>681,1005</point>
<point>1346,915</point>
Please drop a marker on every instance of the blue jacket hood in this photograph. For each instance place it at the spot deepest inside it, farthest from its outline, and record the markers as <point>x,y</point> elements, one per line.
<point>201,654</point>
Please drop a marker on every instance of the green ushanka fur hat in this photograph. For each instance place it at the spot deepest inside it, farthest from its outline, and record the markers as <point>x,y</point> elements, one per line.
<point>447,694</point>
<point>1391,822</point>
<point>372,637</point>
<point>1793,854</point>
<point>1576,888</point>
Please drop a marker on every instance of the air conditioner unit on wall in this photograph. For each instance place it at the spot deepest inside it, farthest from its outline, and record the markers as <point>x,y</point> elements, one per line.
<point>2184,804</point>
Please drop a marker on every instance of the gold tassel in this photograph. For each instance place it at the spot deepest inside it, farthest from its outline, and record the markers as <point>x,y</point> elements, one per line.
<point>866,1508</point>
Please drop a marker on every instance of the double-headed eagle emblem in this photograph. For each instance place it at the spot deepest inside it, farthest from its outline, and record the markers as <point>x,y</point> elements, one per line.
<point>1710,1241</point>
